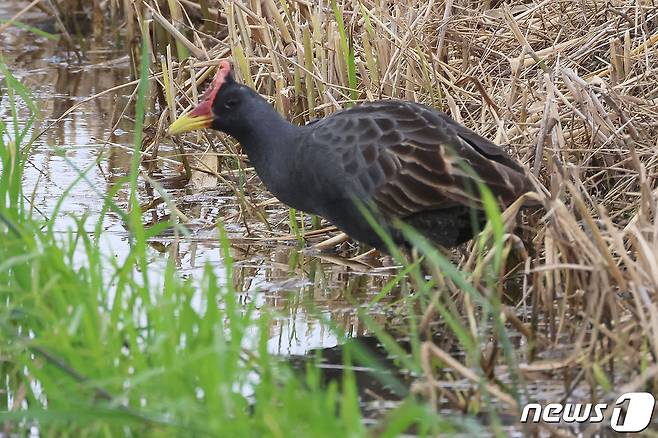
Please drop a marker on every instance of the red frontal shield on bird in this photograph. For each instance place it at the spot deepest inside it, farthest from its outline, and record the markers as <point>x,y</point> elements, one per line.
<point>201,117</point>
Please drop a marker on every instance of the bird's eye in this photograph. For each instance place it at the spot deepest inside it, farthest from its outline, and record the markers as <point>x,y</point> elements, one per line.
<point>230,103</point>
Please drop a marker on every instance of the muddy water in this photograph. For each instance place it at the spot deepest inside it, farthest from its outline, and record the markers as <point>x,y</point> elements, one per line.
<point>95,138</point>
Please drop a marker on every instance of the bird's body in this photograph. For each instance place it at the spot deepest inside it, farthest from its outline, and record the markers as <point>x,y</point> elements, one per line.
<point>403,160</point>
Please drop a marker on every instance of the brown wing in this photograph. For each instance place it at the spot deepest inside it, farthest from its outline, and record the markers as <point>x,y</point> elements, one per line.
<point>409,158</point>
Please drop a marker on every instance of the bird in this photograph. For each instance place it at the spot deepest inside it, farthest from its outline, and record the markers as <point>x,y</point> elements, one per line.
<point>401,161</point>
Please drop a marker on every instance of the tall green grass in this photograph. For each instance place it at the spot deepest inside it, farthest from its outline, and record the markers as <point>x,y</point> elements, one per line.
<point>471,340</point>
<point>94,344</point>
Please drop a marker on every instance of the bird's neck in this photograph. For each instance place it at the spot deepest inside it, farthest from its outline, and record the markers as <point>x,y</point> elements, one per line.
<point>271,143</point>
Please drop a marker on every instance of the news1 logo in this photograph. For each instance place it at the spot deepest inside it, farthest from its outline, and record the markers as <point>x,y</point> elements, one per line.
<point>636,418</point>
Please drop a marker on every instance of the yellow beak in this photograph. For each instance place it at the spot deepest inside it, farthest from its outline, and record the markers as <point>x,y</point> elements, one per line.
<point>190,122</point>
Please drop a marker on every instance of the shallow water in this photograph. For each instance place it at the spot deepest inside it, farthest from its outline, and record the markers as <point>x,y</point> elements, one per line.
<point>78,137</point>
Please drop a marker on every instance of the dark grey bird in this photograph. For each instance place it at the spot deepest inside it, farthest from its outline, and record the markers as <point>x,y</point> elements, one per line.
<point>402,160</point>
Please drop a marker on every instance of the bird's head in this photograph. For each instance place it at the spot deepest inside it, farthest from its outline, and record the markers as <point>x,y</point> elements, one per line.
<point>221,107</point>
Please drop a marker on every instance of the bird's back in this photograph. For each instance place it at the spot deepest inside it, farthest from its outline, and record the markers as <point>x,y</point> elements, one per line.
<point>410,162</point>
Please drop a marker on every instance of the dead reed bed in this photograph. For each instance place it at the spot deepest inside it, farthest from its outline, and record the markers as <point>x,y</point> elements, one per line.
<point>570,87</point>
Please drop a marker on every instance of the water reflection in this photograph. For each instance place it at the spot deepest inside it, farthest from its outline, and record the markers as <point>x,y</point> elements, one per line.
<point>276,277</point>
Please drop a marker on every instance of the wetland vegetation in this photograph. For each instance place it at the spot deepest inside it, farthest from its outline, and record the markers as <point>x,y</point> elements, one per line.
<point>150,286</point>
